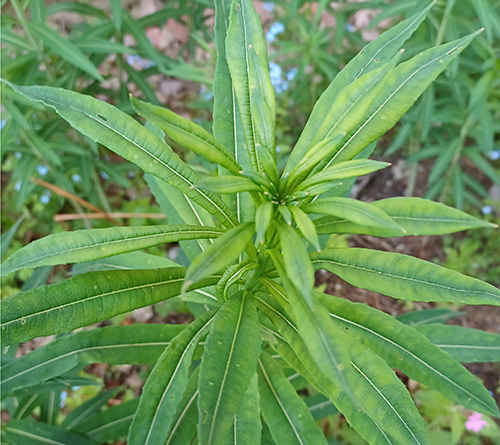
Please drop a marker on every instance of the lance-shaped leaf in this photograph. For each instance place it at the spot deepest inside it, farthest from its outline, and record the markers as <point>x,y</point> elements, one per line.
<point>353,210</point>
<point>30,432</point>
<point>228,184</point>
<point>231,276</point>
<point>228,364</point>
<point>306,226</point>
<point>110,424</point>
<point>465,345</point>
<point>122,134</point>
<point>403,87</point>
<point>369,58</point>
<point>246,54</point>
<point>86,299</point>
<point>404,277</point>
<point>408,350</point>
<point>384,396</point>
<point>342,170</point>
<point>428,316</point>
<point>286,414</point>
<point>297,264</point>
<point>166,385</point>
<point>247,425</point>
<point>186,417</point>
<point>220,254</point>
<point>188,134</point>
<point>416,215</point>
<point>135,344</point>
<point>64,48</point>
<point>263,218</point>
<point>88,245</point>
<point>326,356</point>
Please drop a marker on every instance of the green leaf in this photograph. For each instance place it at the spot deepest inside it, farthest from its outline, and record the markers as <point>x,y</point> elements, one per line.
<point>353,210</point>
<point>228,364</point>
<point>8,236</point>
<point>297,264</point>
<point>246,55</point>
<point>228,184</point>
<point>231,276</point>
<point>30,432</point>
<point>166,385</point>
<point>89,245</point>
<point>404,277</point>
<point>465,345</point>
<point>306,226</point>
<point>64,48</point>
<point>402,88</point>
<point>188,134</point>
<point>320,407</point>
<point>134,344</point>
<point>76,7</point>
<point>428,316</point>
<point>86,299</point>
<point>286,414</point>
<point>342,170</point>
<point>220,254</point>
<point>405,348</point>
<point>110,424</point>
<point>263,218</point>
<point>119,132</point>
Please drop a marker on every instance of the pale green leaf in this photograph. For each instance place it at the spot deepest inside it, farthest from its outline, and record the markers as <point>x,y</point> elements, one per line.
<point>134,344</point>
<point>306,226</point>
<point>405,348</point>
<point>286,414</point>
<point>405,277</point>
<point>188,134</point>
<point>228,184</point>
<point>228,364</point>
<point>428,316</point>
<point>263,218</point>
<point>86,299</point>
<point>119,132</point>
<point>89,245</point>
<point>220,254</point>
<point>166,385</point>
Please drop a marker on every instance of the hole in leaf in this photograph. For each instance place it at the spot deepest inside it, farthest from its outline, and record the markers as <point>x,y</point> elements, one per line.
<point>103,118</point>
<point>347,328</point>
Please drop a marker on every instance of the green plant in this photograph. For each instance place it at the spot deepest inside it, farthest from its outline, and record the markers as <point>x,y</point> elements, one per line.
<point>245,231</point>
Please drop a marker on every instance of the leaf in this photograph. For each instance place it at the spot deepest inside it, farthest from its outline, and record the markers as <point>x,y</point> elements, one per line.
<point>263,218</point>
<point>8,236</point>
<point>29,432</point>
<point>110,424</point>
<point>342,170</point>
<point>119,132</point>
<point>188,134</point>
<point>353,210</point>
<point>404,348</point>
<point>134,344</point>
<point>231,276</point>
<point>64,48</point>
<point>246,55</point>
<point>320,407</point>
<point>286,414</point>
<point>166,385</point>
<point>228,364</point>
<point>403,87</point>
<point>428,316</point>
<point>93,244</point>
<point>370,57</point>
<point>465,345</point>
<point>228,184</point>
<point>306,226</point>
<point>220,254</point>
<point>86,299</point>
<point>404,277</point>
<point>297,264</point>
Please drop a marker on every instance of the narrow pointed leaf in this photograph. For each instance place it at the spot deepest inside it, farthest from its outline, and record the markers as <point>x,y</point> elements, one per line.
<point>465,345</point>
<point>135,344</point>
<point>359,212</point>
<point>86,299</point>
<point>228,184</point>
<point>263,218</point>
<point>306,226</point>
<point>428,316</point>
<point>88,245</point>
<point>119,132</point>
<point>220,254</point>
<point>231,276</point>
<point>297,264</point>
<point>403,347</point>
<point>228,364</point>
<point>404,277</point>
<point>188,134</point>
<point>286,414</point>
<point>166,385</point>
<point>246,55</point>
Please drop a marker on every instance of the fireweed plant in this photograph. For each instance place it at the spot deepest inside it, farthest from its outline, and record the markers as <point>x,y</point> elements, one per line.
<point>246,231</point>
